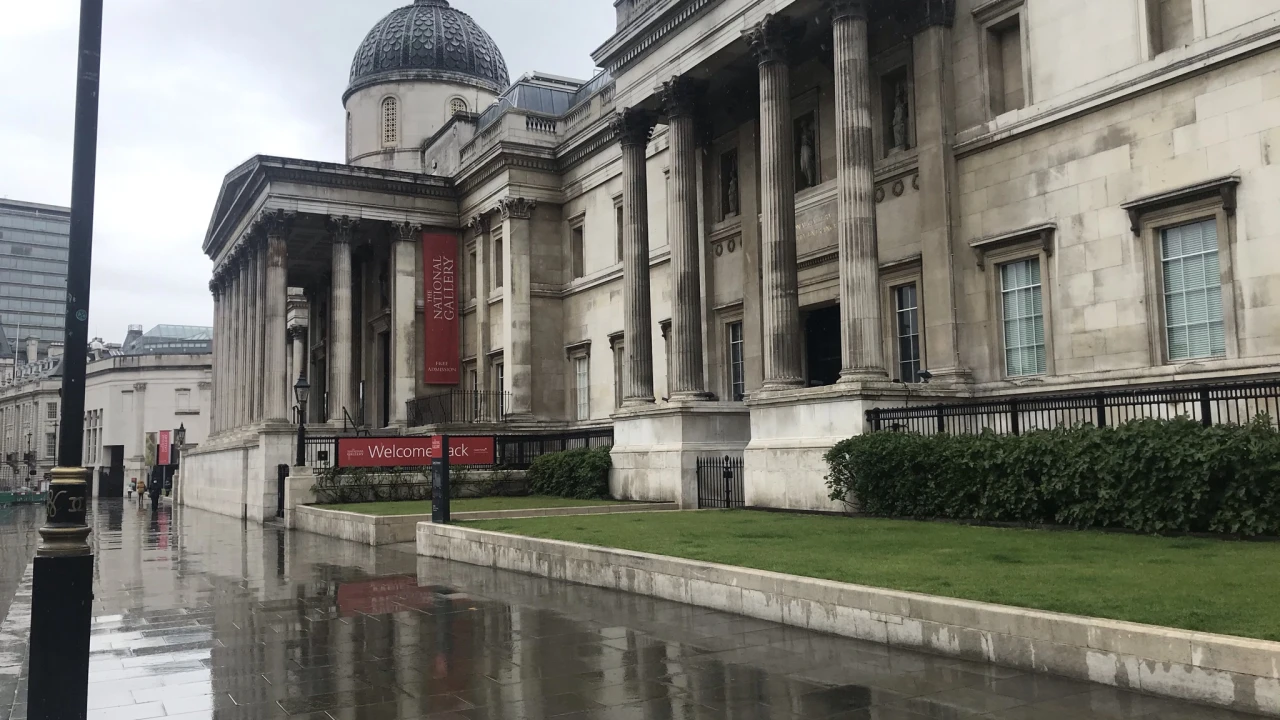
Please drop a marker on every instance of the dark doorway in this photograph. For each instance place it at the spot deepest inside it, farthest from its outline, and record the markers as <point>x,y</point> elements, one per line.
<point>822,345</point>
<point>111,481</point>
<point>384,382</point>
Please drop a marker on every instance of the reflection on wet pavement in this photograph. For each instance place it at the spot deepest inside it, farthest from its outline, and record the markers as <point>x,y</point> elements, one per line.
<point>199,616</point>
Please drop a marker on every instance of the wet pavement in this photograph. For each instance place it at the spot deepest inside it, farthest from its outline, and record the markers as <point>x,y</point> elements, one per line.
<point>200,616</point>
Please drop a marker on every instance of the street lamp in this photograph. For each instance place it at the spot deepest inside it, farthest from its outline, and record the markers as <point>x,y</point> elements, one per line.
<point>62,572</point>
<point>301,391</point>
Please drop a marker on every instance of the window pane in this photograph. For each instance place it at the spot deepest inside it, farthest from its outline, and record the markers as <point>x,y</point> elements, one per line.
<point>1023,318</point>
<point>1192,291</point>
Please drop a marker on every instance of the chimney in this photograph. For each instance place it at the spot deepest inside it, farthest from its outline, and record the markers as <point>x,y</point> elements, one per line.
<point>33,349</point>
<point>135,334</point>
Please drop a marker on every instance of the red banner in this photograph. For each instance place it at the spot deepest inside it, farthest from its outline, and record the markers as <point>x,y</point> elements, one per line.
<point>412,451</point>
<point>440,275</point>
<point>163,450</point>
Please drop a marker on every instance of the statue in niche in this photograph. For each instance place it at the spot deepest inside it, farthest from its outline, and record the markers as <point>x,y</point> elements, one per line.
<point>730,200</point>
<point>733,192</point>
<point>384,286</point>
<point>806,152</point>
<point>901,108</point>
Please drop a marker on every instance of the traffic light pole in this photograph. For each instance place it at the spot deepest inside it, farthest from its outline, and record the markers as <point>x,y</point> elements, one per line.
<point>62,590</point>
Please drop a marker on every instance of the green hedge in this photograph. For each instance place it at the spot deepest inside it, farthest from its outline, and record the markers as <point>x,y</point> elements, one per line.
<point>581,474</point>
<point>1148,475</point>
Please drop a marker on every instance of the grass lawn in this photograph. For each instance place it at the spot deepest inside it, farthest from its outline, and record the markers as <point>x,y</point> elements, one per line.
<point>529,502</point>
<point>1205,585</point>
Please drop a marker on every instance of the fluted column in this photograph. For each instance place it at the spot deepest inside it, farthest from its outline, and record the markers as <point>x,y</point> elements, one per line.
<point>861,347</point>
<point>340,348</point>
<point>481,224</point>
<point>260,334</point>
<point>634,128</point>
<point>780,302</point>
<point>239,342</point>
<point>219,381</point>
<point>517,307</point>
<point>680,96</point>
<point>404,316</point>
<point>253,322</point>
<point>277,225</point>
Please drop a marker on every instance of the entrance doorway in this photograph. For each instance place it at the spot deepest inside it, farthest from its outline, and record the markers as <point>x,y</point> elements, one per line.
<point>822,345</point>
<point>111,481</point>
<point>384,383</point>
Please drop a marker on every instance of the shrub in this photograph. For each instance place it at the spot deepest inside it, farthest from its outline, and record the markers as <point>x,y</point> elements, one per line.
<point>1147,475</point>
<point>581,474</point>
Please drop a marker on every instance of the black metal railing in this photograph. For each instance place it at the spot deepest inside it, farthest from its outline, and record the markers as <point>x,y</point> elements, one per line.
<point>511,452</point>
<point>1209,403</point>
<point>459,407</point>
<point>720,482</point>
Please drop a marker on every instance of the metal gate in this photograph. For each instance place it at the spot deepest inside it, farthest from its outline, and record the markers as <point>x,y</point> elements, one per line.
<point>720,482</point>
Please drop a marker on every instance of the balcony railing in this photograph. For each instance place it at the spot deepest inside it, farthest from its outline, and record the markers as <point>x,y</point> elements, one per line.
<point>459,407</point>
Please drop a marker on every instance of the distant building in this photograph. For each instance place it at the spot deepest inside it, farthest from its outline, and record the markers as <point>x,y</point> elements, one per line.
<point>158,380</point>
<point>34,242</point>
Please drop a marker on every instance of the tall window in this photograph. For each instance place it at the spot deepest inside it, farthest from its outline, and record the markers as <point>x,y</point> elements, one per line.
<point>499,379</point>
<point>577,241</point>
<point>619,368</point>
<point>457,105</point>
<point>390,122</point>
<point>617,211</point>
<point>1192,291</point>
<point>1023,314</point>
<point>581,389</point>
<point>1004,65</point>
<point>473,275</point>
<point>907,308</point>
<point>50,445</point>
<point>52,412</point>
<point>497,262</point>
<point>737,363</point>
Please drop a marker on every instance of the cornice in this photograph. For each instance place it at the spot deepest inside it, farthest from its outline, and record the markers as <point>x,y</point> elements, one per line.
<point>644,34</point>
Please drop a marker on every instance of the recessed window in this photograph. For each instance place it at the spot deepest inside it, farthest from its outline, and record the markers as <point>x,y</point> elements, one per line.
<point>1171,24</point>
<point>473,274</point>
<point>1022,311</point>
<point>457,105</point>
<point>907,314</point>
<point>390,122</point>
<point>737,362</point>
<point>1004,65</point>
<point>182,400</point>
<point>1192,291</point>
<point>577,243</point>
<point>50,445</point>
<point>617,211</point>
<point>581,388</point>
<point>52,411</point>
<point>499,379</point>
<point>497,262</point>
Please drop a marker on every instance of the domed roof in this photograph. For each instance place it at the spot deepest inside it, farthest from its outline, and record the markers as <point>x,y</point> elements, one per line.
<point>429,40</point>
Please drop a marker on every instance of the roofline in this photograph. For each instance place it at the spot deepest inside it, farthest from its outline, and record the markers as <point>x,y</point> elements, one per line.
<point>39,208</point>
<point>421,75</point>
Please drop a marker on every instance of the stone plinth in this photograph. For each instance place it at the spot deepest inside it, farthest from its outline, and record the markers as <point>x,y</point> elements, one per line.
<point>235,474</point>
<point>656,450</point>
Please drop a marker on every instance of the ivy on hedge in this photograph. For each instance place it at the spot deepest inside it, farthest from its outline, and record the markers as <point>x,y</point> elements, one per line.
<point>1154,476</point>
<point>581,474</point>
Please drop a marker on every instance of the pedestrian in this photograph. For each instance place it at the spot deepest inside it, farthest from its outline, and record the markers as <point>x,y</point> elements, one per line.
<point>154,488</point>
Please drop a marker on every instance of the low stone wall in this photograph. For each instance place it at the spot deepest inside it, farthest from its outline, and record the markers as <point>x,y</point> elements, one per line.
<point>1231,672</point>
<point>387,530</point>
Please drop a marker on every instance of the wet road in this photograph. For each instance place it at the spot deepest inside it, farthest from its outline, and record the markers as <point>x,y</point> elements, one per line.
<point>199,616</point>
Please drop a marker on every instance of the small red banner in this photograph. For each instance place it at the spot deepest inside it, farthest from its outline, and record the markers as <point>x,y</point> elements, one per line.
<point>413,452</point>
<point>383,596</point>
<point>164,449</point>
<point>443,360</point>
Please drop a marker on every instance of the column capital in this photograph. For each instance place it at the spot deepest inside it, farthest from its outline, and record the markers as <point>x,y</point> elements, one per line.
<point>297,332</point>
<point>140,387</point>
<point>681,96</point>
<point>405,231</point>
<point>854,9</point>
<point>342,227</point>
<point>516,208</point>
<point>480,223</point>
<point>276,223</point>
<point>633,125</point>
<point>771,38</point>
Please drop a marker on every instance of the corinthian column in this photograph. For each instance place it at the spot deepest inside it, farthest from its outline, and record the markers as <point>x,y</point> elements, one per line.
<point>214,405</point>
<point>634,128</point>
<point>253,326</point>
<point>517,309</point>
<point>240,342</point>
<point>340,350</point>
<point>275,377</point>
<point>680,96</point>
<point>404,311</point>
<point>481,225</point>
<point>861,349</point>
<point>780,302</point>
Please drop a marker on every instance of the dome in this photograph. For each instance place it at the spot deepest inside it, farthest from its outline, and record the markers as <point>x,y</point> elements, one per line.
<point>429,40</point>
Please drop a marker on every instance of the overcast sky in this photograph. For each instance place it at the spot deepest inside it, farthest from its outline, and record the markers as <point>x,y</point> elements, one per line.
<point>191,89</point>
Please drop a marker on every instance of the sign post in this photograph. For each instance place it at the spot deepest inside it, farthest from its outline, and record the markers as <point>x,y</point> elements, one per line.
<point>440,481</point>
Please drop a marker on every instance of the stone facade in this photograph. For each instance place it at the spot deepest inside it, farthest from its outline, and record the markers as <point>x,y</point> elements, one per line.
<point>937,190</point>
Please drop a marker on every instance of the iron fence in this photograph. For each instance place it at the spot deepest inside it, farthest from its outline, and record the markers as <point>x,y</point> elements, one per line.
<point>720,482</point>
<point>1208,403</point>
<point>459,407</point>
<point>511,452</point>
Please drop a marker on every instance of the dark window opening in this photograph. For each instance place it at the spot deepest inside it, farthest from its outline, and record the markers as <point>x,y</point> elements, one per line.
<point>822,345</point>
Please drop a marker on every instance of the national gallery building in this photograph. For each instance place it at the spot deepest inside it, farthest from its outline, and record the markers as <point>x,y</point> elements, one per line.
<point>760,220</point>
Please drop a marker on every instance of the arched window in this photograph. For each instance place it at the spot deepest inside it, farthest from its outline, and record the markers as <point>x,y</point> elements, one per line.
<point>457,105</point>
<point>390,122</point>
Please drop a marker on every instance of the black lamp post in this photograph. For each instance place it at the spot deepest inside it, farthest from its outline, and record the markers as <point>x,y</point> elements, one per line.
<point>62,572</point>
<point>301,391</point>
